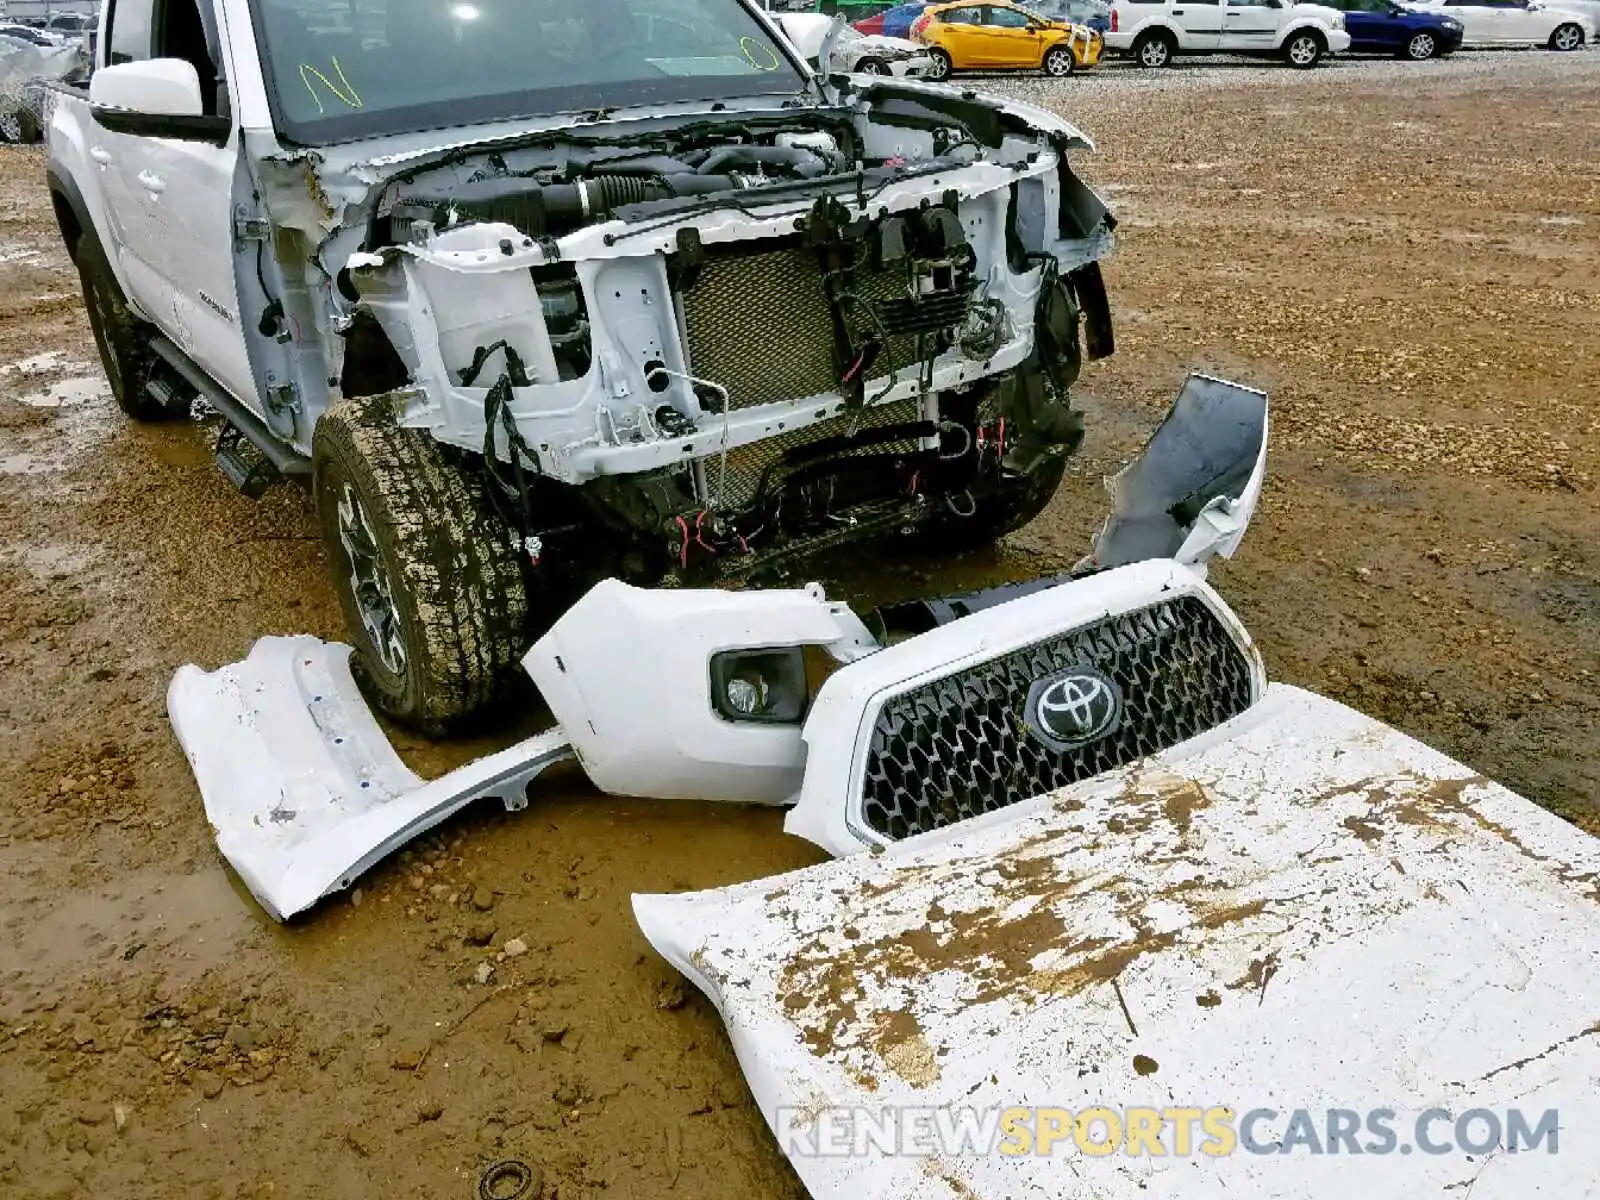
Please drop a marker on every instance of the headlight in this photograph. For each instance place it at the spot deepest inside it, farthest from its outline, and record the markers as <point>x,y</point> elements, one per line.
<point>1338,22</point>
<point>762,686</point>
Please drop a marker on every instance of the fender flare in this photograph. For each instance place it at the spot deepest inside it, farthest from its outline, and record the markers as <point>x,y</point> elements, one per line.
<point>65,194</point>
<point>1299,26</point>
<point>1158,25</point>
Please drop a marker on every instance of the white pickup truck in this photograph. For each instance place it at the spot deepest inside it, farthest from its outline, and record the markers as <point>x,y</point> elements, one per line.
<point>534,294</point>
<point>1155,32</point>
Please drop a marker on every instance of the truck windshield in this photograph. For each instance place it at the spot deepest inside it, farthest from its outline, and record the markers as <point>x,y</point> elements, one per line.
<point>344,69</point>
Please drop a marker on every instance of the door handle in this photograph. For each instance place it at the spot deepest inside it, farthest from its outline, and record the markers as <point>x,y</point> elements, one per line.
<point>152,182</point>
<point>103,157</point>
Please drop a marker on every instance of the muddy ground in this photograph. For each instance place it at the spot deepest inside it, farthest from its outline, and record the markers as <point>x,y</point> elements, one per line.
<point>1408,258</point>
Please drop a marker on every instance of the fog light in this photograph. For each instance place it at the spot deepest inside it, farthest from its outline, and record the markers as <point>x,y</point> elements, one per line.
<point>761,686</point>
<point>745,696</point>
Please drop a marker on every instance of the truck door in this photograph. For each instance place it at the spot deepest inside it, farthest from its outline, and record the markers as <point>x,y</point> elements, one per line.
<point>171,201</point>
<point>1250,24</point>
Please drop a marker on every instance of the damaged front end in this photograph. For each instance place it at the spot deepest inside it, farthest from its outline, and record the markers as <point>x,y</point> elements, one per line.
<point>877,729</point>
<point>725,339</point>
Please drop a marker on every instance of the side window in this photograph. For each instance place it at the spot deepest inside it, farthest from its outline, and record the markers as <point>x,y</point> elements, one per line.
<point>180,33</point>
<point>963,16</point>
<point>1007,18</point>
<point>129,40</point>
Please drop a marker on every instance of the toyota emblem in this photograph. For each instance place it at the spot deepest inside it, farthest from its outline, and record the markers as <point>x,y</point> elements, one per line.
<point>1073,707</point>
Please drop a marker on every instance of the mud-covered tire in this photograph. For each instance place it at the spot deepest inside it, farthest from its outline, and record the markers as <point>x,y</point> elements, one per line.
<point>122,338</point>
<point>452,578</point>
<point>1006,509</point>
<point>10,124</point>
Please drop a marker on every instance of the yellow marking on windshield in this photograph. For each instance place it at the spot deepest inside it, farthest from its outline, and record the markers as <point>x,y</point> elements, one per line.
<point>750,47</point>
<point>344,90</point>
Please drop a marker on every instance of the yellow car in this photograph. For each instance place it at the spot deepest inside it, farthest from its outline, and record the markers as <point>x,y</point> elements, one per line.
<point>973,35</point>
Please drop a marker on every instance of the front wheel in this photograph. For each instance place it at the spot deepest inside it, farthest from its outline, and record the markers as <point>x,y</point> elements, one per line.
<point>871,66</point>
<point>1303,51</point>
<point>1059,62</point>
<point>1566,37</point>
<point>431,584</point>
<point>1421,47</point>
<point>11,125</point>
<point>941,66</point>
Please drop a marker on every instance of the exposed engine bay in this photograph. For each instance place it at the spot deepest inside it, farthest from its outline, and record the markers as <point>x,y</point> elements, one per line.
<point>749,339</point>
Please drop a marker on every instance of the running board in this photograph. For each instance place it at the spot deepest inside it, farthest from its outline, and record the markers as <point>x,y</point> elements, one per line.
<point>284,459</point>
<point>301,787</point>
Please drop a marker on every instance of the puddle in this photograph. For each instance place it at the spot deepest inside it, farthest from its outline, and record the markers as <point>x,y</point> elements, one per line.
<point>68,393</point>
<point>27,464</point>
<point>54,560</point>
<point>192,922</point>
<point>25,255</point>
<point>42,364</point>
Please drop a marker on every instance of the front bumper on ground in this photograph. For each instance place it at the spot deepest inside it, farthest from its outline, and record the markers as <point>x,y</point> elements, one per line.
<point>304,792</point>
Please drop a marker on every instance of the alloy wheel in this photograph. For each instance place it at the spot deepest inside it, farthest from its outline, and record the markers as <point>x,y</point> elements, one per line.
<point>369,583</point>
<point>1154,53</point>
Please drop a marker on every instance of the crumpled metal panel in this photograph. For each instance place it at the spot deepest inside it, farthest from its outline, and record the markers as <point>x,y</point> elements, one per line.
<point>302,789</point>
<point>1305,909</point>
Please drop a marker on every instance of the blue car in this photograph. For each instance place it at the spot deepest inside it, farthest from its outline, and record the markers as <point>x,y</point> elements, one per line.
<point>1383,27</point>
<point>1093,13</point>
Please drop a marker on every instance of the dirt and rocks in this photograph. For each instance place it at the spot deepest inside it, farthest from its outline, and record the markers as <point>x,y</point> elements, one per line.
<point>1408,258</point>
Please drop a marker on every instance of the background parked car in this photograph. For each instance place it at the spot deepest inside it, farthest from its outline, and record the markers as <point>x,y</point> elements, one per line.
<point>1517,23</point>
<point>1384,27</point>
<point>856,52</point>
<point>27,33</point>
<point>1093,14</point>
<point>896,21</point>
<point>972,35</point>
<point>1155,32</point>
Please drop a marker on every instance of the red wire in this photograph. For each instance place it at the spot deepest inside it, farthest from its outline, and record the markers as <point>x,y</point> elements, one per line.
<point>703,543</point>
<point>683,551</point>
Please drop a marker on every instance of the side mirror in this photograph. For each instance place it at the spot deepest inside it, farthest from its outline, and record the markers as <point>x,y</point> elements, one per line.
<point>158,97</point>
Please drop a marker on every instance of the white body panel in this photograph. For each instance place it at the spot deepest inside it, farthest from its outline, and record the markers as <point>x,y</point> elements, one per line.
<point>1308,910</point>
<point>301,788</point>
<point>625,672</point>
